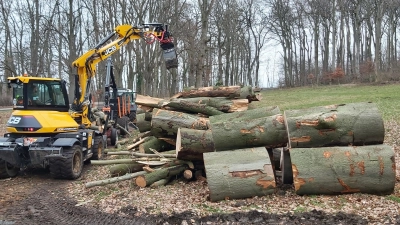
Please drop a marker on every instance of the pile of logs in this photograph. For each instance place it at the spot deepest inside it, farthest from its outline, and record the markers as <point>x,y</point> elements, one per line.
<point>210,132</point>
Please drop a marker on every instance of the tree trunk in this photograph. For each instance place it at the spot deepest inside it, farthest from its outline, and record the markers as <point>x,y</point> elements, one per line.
<point>149,178</point>
<point>156,144</point>
<point>142,123</point>
<point>122,169</point>
<point>191,144</point>
<point>114,179</point>
<point>193,107</point>
<point>267,131</point>
<point>245,115</point>
<point>165,123</point>
<point>240,173</point>
<point>339,170</point>
<point>226,91</point>
<point>345,124</point>
<point>220,103</point>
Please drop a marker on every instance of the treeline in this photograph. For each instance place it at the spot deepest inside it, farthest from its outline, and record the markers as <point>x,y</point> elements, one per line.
<point>218,42</point>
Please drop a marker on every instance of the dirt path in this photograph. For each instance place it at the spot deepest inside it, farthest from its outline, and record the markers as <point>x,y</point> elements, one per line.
<point>35,198</point>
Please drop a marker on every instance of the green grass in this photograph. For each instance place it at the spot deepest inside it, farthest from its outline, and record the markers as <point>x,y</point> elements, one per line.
<point>393,198</point>
<point>386,97</point>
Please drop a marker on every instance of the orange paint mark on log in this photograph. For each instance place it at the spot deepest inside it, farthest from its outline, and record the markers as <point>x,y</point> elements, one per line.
<point>347,153</point>
<point>270,183</point>
<point>381,165</point>
<point>312,123</point>
<point>327,154</point>
<point>324,131</point>
<point>331,118</point>
<point>298,182</point>
<point>361,166</point>
<point>347,189</point>
<point>245,131</point>
<point>280,119</point>
<point>352,167</point>
<point>245,174</point>
<point>300,139</point>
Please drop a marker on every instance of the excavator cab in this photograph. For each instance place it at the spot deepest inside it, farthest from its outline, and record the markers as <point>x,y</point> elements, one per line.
<point>39,94</point>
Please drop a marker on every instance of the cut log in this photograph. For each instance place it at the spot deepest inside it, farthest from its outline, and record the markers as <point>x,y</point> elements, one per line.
<point>148,179</point>
<point>335,125</point>
<point>220,103</point>
<point>267,131</point>
<point>165,123</point>
<point>188,174</point>
<point>340,170</point>
<point>154,143</point>
<point>142,123</point>
<point>148,101</point>
<point>193,107</point>
<point>121,169</point>
<point>245,115</point>
<point>138,142</point>
<point>240,173</point>
<point>112,161</point>
<point>114,179</point>
<point>161,182</point>
<point>229,92</point>
<point>191,144</point>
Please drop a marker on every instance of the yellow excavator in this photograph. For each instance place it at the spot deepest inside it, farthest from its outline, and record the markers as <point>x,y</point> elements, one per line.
<point>45,130</point>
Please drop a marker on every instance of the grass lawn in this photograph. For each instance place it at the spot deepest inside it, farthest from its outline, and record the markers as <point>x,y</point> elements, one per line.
<point>387,97</point>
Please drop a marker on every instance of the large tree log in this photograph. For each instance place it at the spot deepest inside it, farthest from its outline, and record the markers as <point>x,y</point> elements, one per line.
<point>220,103</point>
<point>229,92</point>
<point>191,144</point>
<point>154,143</point>
<point>193,107</point>
<point>142,123</point>
<point>240,173</point>
<point>335,125</point>
<point>148,101</point>
<point>339,170</point>
<point>267,131</point>
<point>165,123</point>
<point>245,115</point>
<point>149,178</point>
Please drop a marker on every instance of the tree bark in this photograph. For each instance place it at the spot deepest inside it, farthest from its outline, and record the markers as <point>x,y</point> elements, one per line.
<point>191,144</point>
<point>220,103</point>
<point>240,173</point>
<point>165,123</point>
<point>339,170</point>
<point>114,179</point>
<point>193,107</point>
<point>149,178</point>
<point>142,123</point>
<point>122,169</point>
<point>245,115</point>
<point>148,101</point>
<point>267,131</point>
<point>226,91</point>
<point>154,143</point>
<point>335,125</point>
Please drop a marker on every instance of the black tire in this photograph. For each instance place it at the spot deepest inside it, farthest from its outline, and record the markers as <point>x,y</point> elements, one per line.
<point>69,167</point>
<point>7,170</point>
<point>113,136</point>
<point>98,148</point>
<point>123,122</point>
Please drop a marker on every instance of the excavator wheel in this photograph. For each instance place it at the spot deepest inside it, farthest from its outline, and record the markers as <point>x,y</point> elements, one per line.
<point>7,170</point>
<point>123,122</point>
<point>69,167</point>
<point>113,136</point>
<point>98,148</point>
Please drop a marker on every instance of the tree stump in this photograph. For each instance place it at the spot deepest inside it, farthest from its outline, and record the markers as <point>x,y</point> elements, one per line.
<point>165,123</point>
<point>240,173</point>
<point>335,125</point>
<point>267,131</point>
<point>339,170</point>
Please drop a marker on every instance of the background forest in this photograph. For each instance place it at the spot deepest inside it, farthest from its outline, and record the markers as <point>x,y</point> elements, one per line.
<point>225,42</point>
